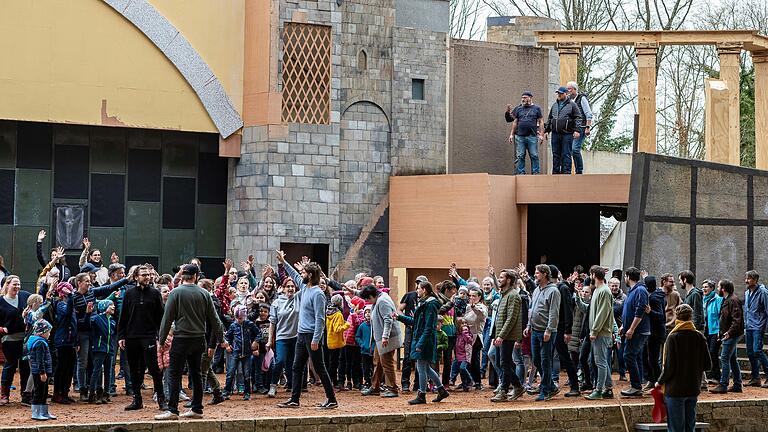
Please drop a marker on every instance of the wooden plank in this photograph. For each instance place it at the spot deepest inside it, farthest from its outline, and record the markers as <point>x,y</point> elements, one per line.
<point>730,72</point>
<point>716,121</point>
<point>760,61</point>
<point>646,95</point>
<point>750,38</point>
<point>582,189</point>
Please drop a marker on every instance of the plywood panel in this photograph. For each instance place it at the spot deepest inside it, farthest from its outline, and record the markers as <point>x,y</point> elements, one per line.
<point>436,220</point>
<point>583,189</point>
<point>504,222</point>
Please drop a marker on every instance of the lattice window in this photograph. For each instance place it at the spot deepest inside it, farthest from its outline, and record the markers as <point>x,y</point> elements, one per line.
<point>306,73</point>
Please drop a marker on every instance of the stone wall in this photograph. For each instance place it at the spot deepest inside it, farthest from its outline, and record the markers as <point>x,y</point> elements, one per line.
<point>723,416</point>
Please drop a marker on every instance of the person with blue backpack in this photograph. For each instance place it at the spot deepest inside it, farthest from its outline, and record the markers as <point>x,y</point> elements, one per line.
<point>363,340</point>
<point>103,329</point>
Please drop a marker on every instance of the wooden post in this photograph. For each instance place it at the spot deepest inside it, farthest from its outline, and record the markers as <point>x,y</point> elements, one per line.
<point>569,61</point>
<point>646,95</point>
<point>730,72</point>
<point>760,60</point>
<point>716,120</point>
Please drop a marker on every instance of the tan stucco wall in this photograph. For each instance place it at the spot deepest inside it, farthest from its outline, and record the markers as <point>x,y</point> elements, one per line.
<point>79,61</point>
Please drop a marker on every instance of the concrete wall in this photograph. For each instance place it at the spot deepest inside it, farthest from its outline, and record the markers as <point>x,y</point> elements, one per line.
<point>81,62</point>
<point>485,77</point>
<point>603,162</point>
<point>707,217</point>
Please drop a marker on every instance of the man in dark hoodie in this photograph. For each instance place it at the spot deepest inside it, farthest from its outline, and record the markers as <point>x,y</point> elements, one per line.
<point>563,335</point>
<point>657,316</point>
<point>636,328</point>
<point>564,122</point>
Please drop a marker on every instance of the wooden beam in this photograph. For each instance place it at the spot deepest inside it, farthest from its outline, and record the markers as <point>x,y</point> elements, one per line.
<point>646,95</point>
<point>569,61</point>
<point>760,60</point>
<point>560,189</point>
<point>750,38</point>
<point>716,121</point>
<point>730,72</point>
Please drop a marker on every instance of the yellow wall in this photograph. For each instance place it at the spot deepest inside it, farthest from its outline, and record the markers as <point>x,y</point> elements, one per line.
<point>62,59</point>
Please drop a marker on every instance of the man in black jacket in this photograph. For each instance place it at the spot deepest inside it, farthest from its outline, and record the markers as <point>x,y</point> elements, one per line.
<point>563,335</point>
<point>686,357</point>
<point>137,332</point>
<point>564,122</point>
<point>61,264</point>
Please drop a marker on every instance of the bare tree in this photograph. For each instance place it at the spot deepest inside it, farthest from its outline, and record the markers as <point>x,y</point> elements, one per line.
<point>465,22</point>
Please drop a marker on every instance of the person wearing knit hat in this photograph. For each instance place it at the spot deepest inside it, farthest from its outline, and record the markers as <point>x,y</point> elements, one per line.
<point>365,280</point>
<point>102,305</point>
<point>63,289</point>
<point>41,366</point>
<point>103,328</point>
<point>241,340</point>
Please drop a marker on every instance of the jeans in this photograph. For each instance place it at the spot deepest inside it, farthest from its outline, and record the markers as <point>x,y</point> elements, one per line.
<point>111,366</point>
<point>508,365</point>
<point>260,379</point>
<point>729,363</point>
<point>486,346</point>
<point>618,349</point>
<point>755,352</point>
<point>285,349</point>
<point>522,363</point>
<point>426,372</point>
<point>367,367</point>
<point>531,144</point>
<point>681,413</point>
<point>542,357</point>
<point>632,349</point>
<point>713,342</point>
<point>494,361</point>
<point>235,364</point>
<point>126,370</point>
<point>576,152</point>
<point>64,370</point>
<point>565,361</point>
<point>474,361</point>
<point>335,366</point>
<point>354,371</point>
<point>408,364</point>
<point>84,342</point>
<point>561,153</point>
<point>101,366</point>
<point>447,357</point>
<point>13,352</point>
<point>588,368</point>
<point>303,353</point>
<point>190,351</point>
<point>142,355</point>
<point>466,380</point>
<point>655,343</point>
<point>601,350</point>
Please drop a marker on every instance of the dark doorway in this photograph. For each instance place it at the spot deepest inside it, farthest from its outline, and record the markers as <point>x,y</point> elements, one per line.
<point>317,252</point>
<point>564,235</point>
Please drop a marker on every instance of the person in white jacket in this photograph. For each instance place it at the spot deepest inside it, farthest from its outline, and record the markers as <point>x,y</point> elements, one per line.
<point>475,317</point>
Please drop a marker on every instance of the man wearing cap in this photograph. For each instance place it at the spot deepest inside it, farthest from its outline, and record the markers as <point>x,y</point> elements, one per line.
<point>564,122</point>
<point>527,132</point>
<point>191,309</point>
<point>582,103</point>
<point>406,307</point>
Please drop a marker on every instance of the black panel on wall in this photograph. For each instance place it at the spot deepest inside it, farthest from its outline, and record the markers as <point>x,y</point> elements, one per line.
<point>144,171</point>
<point>107,200</point>
<point>72,259</point>
<point>70,178</point>
<point>34,143</point>
<point>212,176</point>
<point>133,260</point>
<point>211,267</point>
<point>178,202</point>
<point>7,194</point>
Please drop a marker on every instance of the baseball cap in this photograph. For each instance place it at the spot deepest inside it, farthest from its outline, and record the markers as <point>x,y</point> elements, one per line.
<point>527,93</point>
<point>422,278</point>
<point>562,90</point>
<point>190,269</point>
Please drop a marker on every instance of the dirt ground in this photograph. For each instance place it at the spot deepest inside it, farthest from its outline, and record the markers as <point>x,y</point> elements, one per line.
<point>350,403</point>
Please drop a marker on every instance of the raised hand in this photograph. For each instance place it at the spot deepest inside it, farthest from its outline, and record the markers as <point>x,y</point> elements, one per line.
<point>304,260</point>
<point>114,259</point>
<point>299,266</point>
<point>86,243</point>
<point>59,253</point>
<point>246,266</point>
<point>280,256</point>
<point>491,270</point>
<point>227,265</point>
<point>41,235</point>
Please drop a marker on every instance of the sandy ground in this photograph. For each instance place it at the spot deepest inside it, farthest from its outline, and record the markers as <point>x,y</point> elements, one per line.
<point>350,403</point>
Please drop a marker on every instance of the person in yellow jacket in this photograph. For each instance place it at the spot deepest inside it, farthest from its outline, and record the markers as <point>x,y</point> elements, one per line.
<point>335,325</point>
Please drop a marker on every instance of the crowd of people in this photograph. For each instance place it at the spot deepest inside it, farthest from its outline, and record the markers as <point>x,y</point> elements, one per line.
<point>285,329</point>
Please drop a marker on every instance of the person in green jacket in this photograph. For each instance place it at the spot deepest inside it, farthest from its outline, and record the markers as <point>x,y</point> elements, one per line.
<point>424,342</point>
<point>601,325</point>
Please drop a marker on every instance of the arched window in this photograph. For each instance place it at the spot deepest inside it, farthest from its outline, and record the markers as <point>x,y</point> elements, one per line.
<point>362,60</point>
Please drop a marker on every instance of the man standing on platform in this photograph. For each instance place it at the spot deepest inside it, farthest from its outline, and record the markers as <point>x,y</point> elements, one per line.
<point>564,121</point>
<point>527,131</point>
<point>582,103</point>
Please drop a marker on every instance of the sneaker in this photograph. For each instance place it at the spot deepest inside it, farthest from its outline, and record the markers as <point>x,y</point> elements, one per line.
<point>272,391</point>
<point>167,415</point>
<point>405,389</point>
<point>183,396</point>
<point>515,393</point>
<point>191,415</point>
<point>608,394</point>
<point>735,389</point>
<point>288,404</point>
<point>246,396</point>
<point>754,382</point>
<point>648,387</point>
<point>328,405</point>
<point>499,397</point>
<point>532,390</point>
<point>595,395</point>
<point>573,393</point>
<point>540,398</point>
<point>389,394</point>
<point>720,389</point>
<point>553,393</point>
<point>765,384</point>
<point>586,388</point>
<point>632,392</point>
<point>370,392</point>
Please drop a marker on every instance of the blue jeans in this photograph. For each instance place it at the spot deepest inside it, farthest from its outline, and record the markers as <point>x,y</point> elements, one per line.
<point>542,358</point>
<point>285,349</point>
<point>466,380</point>
<point>632,349</point>
<point>729,362</point>
<point>101,366</point>
<point>234,364</point>
<point>601,351</point>
<point>426,372</point>
<point>84,342</point>
<point>681,413</point>
<point>522,364</point>
<point>112,386</point>
<point>495,361</point>
<point>561,153</point>
<point>487,342</point>
<point>755,352</point>
<point>531,144</point>
<point>578,162</point>
<point>619,350</point>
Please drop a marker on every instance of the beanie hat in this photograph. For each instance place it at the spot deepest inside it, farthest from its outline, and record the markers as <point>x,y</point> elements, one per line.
<point>337,300</point>
<point>41,327</point>
<point>365,281</point>
<point>240,311</point>
<point>464,288</point>
<point>102,305</point>
<point>64,288</point>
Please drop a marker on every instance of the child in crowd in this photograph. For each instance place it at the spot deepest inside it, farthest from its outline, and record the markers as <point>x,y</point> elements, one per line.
<point>103,329</point>
<point>335,325</point>
<point>363,340</point>
<point>64,340</point>
<point>463,353</point>
<point>261,378</point>
<point>442,345</point>
<point>40,368</point>
<point>460,302</point>
<point>352,350</point>
<point>241,340</point>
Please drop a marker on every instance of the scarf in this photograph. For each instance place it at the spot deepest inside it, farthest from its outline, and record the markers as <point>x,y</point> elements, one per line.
<point>709,297</point>
<point>679,326</point>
